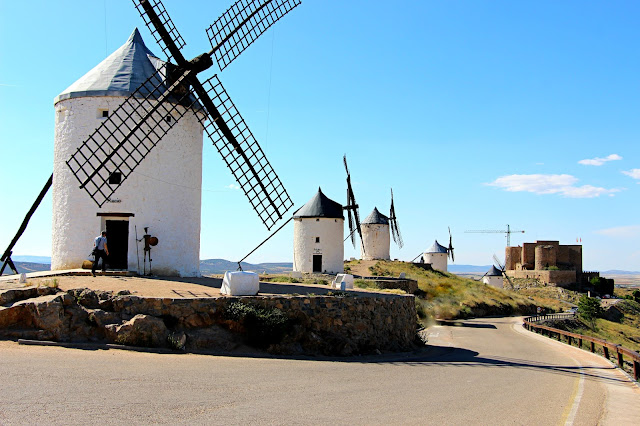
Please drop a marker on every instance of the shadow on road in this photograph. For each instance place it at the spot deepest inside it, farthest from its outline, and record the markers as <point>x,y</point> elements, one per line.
<point>454,323</point>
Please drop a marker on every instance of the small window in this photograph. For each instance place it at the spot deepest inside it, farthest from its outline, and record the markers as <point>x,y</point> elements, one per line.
<point>317,220</point>
<point>115,178</point>
<point>317,239</point>
<point>168,119</point>
<point>103,113</point>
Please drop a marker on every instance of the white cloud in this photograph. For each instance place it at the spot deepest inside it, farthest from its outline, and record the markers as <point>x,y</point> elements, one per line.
<point>634,173</point>
<point>232,186</point>
<point>599,161</point>
<point>631,231</point>
<point>550,184</point>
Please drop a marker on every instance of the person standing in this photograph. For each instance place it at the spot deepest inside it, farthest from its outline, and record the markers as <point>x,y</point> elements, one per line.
<point>100,250</point>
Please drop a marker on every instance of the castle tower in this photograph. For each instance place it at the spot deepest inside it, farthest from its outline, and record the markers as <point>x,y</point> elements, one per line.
<point>375,236</point>
<point>437,257</point>
<point>494,278</point>
<point>318,236</point>
<point>163,193</point>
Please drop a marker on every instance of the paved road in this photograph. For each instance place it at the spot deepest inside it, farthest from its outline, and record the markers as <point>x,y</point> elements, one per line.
<point>482,372</point>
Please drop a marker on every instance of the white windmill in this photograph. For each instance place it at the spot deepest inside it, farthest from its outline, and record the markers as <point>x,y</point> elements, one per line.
<point>128,144</point>
<point>377,230</point>
<point>318,236</point>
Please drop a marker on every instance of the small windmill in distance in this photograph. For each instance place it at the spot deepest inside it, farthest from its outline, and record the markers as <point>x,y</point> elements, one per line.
<point>497,274</point>
<point>377,230</point>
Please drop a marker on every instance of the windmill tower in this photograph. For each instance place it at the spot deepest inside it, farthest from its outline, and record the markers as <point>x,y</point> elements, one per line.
<point>376,237</point>
<point>377,230</point>
<point>493,277</point>
<point>437,255</point>
<point>318,236</point>
<point>129,133</point>
<point>163,194</point>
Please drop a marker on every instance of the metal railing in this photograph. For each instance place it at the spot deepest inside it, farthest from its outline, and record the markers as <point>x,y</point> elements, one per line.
<point>546,317</point>
<point>620,351</point>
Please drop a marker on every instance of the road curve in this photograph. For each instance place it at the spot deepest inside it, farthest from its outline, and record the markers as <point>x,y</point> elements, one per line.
<point>487,371</point>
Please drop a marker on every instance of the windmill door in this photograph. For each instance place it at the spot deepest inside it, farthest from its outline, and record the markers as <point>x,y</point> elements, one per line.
<point>317,263</point>
<point>118,243</point>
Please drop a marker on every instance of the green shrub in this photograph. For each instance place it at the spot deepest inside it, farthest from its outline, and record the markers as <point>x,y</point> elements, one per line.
<point>589,309</point>
<point>263,326</point>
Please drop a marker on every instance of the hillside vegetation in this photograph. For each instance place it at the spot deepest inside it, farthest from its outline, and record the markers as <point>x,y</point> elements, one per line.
<point>448,296</point>
<point>621,325</point>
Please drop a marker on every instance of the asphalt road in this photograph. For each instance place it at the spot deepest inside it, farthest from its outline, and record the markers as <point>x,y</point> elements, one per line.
<point>481,372</point>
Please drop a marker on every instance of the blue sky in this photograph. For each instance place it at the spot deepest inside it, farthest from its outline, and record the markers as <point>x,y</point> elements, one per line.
<point>478,114</point>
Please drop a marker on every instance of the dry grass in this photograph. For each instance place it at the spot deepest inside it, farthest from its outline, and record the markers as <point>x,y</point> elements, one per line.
<point>448,296</point>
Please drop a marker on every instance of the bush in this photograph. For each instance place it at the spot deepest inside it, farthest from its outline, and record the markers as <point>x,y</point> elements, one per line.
<point>263,326</point>
<point>589,309</point>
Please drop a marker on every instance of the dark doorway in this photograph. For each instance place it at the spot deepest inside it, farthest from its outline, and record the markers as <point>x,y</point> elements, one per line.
<point>317,263</point>
<point>118,243</point>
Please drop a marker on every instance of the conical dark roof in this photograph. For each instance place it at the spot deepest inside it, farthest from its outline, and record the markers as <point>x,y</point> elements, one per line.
<point>320,206</point>
<point>120,74</point>
<point>494,272</point>
<point>437,248</point>
<point>376,218</point>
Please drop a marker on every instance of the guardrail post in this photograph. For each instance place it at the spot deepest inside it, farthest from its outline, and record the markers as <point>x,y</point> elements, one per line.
<point>569,340</point>
<point>580,343</point>
<point>620,360</point>
<point>636,369</point>
<point>559,337</point>
<point>606,351</point>
<point>593,347</point>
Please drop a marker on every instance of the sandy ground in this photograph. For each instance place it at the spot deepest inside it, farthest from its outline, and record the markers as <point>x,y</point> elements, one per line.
<point>169,287</point>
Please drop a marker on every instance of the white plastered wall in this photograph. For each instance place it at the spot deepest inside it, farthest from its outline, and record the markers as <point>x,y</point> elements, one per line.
<point>493,280</point>
<point>331,244</point>
<point>163,193</point>
<point>438,261</point>
<point>375,241</point>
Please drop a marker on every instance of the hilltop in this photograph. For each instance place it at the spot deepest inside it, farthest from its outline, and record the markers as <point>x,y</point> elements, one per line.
<point>446,296</point>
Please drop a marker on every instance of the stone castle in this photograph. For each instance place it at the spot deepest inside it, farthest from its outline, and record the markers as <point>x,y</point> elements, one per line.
<point>548,261</point>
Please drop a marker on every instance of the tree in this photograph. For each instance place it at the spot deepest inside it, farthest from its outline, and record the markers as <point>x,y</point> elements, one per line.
<point>589,309</point>
<point>636,295</point>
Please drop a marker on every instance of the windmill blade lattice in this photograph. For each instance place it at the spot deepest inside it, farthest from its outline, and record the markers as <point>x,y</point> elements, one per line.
<point>177,42</point>
<point>393,224</point>
<point>352,208</point>
<point>127,136</point>
<point>242,24</point>
<point>450,249</point>
<point>244,157</point>
<point>125,139</point>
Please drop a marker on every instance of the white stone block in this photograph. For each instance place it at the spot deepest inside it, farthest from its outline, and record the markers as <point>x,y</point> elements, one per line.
<point>23,278</point>
<point>343,282</point>
<point>240,283</point>
<point>295,274</point>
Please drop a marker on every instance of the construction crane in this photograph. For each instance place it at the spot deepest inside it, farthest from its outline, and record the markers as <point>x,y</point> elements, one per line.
<point>491,231</point>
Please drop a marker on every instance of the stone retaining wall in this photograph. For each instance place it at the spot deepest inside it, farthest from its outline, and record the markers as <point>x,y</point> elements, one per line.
<point>328,325</point>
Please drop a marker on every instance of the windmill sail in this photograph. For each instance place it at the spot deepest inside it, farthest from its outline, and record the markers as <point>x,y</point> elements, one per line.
<point>138,125</point>
<point>164,22</point>
<point>352,209</point>
<point>244,157</point>
<point>393,224</point>
<point>242,24</point>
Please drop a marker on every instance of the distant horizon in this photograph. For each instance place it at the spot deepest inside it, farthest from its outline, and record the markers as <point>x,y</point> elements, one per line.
<point>481,268</point>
